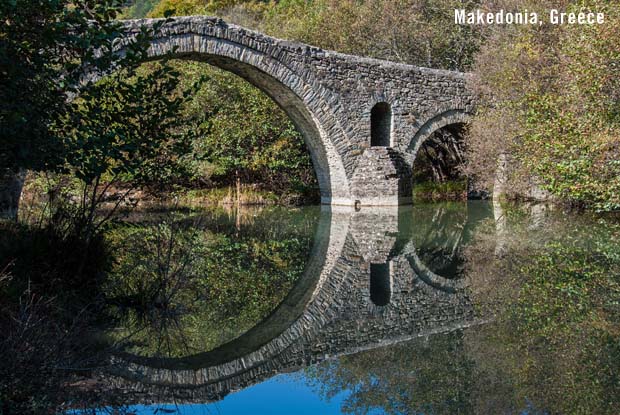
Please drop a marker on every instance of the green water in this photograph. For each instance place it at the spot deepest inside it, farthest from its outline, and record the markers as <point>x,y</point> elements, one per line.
<point>438,308</point>
<point>195,280</point>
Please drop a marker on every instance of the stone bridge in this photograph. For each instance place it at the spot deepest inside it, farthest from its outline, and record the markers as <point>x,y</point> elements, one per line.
<point>362,119</point>
<point>363,287</point>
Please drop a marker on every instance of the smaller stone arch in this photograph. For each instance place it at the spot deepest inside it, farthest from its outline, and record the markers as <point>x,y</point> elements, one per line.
<point>444,119</point>
<point>436,150</point>
<point>427,275</point>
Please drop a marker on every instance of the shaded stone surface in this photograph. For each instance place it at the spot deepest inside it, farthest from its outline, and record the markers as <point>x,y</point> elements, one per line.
<point>11,184</point>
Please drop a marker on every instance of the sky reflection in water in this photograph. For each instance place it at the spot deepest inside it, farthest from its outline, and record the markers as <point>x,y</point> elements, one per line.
<point>283,394</point>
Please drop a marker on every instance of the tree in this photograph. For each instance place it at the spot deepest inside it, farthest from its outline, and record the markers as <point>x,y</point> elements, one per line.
<point>44,46</point>
<point>410,31</point>
<point>432,376</point>
<point>113,136</point>
<point>548,102</point>
<point>51,51</point>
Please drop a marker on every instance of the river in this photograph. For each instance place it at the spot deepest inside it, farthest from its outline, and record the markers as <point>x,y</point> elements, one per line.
<point>444,308</point>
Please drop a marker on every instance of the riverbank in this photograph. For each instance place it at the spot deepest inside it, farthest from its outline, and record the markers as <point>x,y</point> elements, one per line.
<point>449,191</point>
<point>250,195</point>
<point>40,191</point>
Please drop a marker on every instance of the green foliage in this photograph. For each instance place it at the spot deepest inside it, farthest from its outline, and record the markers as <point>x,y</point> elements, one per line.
<point>114,131</point>
<point>410,31</point>
<point>195,287</point>
<point>435,377</point>
<point>246,133</point>
<point>433,191</point>
<point>44,46</point>
<point>551,103</point>
<point>139,9</point>
<point>56,116</point>
<point>195,7</point>
<point>567,318</point>
<point>113,136</point>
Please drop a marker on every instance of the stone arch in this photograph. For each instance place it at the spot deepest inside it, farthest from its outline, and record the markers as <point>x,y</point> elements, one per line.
<point>269,65</point>
<point>444,119</point>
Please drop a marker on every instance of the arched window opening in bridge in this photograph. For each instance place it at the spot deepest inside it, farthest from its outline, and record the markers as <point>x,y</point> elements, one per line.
<point>380,284</point>
<point>380,125</point>
<point>438,166</point>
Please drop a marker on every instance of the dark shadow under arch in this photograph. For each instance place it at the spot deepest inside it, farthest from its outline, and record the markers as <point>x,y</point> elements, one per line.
<point>444,119</point>
<point>438,154</point>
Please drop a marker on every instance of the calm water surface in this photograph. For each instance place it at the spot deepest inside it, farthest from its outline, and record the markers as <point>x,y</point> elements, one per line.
<point>435,309</point>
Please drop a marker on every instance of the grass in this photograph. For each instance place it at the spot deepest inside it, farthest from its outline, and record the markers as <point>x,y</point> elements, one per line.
<point>430,191</point>
<point>250,195</point>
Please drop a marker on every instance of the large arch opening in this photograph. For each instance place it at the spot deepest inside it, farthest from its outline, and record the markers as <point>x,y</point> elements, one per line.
<point>235,50</point>
<point>248,142</point>
<point>242,85</point>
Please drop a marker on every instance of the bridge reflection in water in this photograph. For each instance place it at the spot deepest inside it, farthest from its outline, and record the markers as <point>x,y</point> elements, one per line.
<point>375,277</point>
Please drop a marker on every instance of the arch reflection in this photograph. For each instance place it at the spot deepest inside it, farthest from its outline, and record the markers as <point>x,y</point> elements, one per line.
<point>370,287</point>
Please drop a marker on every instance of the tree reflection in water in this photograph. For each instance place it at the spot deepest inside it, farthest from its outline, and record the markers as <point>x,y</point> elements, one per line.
<point>202,306</point>
<point>185,284</point>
